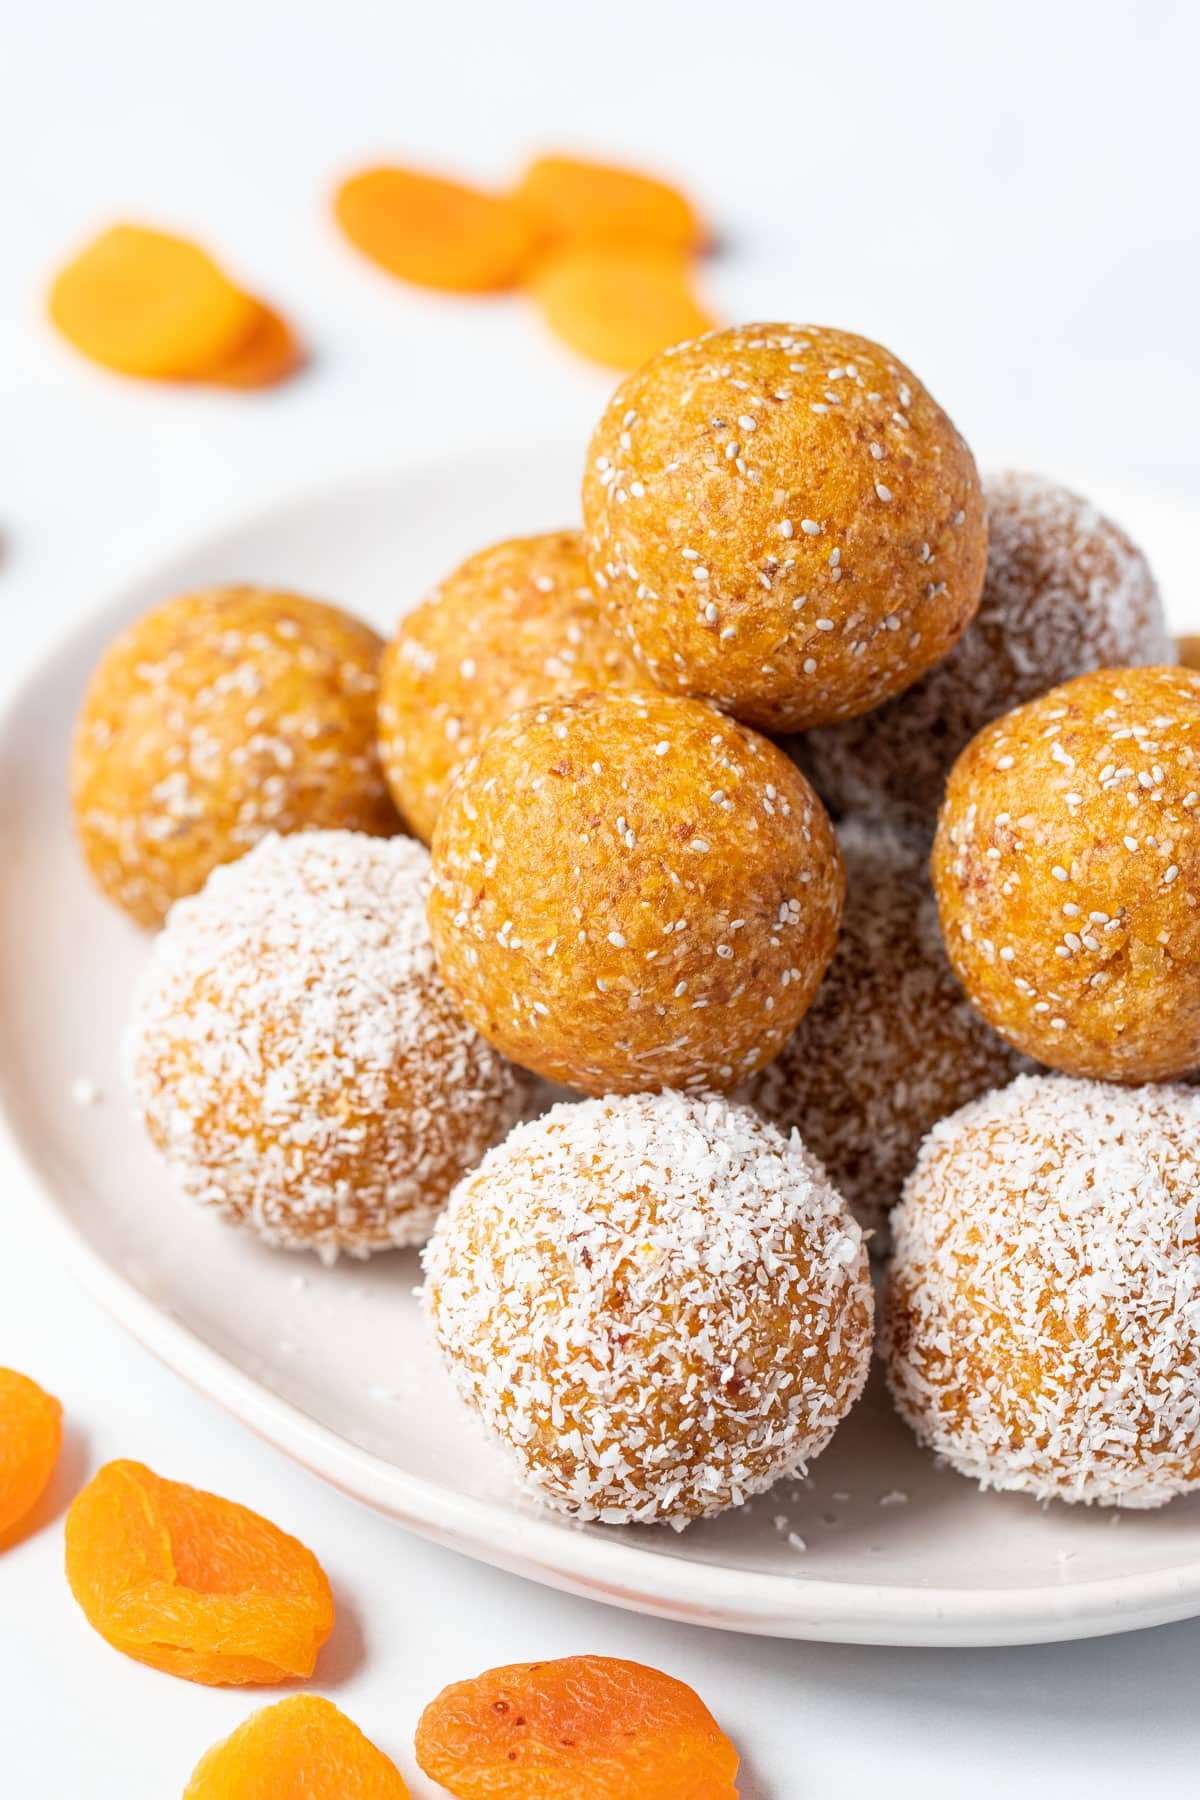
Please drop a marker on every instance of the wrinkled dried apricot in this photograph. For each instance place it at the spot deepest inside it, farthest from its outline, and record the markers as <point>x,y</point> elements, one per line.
<point>435,232</point>
<point>30,1440</point>
<point>582,1728</point>
<point>298,1747</point>
<point>194,1584</point>
<point>619,305</point>
<point>573,201</point>
<point>270,353</point>
<point>147,303</point>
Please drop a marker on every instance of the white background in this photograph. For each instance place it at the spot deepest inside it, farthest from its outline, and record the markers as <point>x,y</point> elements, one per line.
<point>1005,193</point>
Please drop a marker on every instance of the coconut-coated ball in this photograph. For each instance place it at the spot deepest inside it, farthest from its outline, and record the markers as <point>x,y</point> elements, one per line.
<point>213,719</point>
<point>783,521</point>
<point>512,625</point>
<point>659,1305</point>
<point>1067,873</point>
<point>890,1045</point>
<point>1041,1331</point>
<point>1066,591</point>
<point>632,891</point>
<point>296,1057</point>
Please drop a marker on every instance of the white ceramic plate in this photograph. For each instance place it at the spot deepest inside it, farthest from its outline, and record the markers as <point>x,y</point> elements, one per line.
<point>333,1365</point>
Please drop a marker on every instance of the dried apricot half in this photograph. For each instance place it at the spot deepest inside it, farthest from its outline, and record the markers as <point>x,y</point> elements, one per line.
<point>573,200</point>
<point>194,1584</point>
<point>435,232</point>
<point>30,1440</point>
<point>582,1728</point>
<point>146,303</point>
<point>620,304</point>
<point>298,1747</point>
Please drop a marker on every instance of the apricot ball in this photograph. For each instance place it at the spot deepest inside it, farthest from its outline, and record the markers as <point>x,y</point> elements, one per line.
<point>890,1045</point>
<point>632,891</point>
<point>296,1058</point>
<point>781,520</point>
<point>512,625</point>
<point>1067,873</point>
<point>1066,591</point>
<point>657,1303</point>
<point>1041,1332</point>
<point>214,719</point>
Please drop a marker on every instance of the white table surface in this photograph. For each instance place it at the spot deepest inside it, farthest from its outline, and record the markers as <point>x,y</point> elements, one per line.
<point>1001,192</point>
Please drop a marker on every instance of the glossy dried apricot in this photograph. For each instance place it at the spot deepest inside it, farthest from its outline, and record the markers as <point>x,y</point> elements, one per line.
<point>573,200</point>
<point>194,1584</point>
<point>299,1747</point>
<point>147,303</point>
<point>620,304</point>
<point>268,355</point>
<point>582,1728</point>
<point>435,232</point>
<point>30,1440</point>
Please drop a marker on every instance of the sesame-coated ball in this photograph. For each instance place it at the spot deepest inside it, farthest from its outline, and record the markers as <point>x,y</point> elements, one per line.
<point>1041,1331</point>
<point>659,1304</point>
<point>782,521</point>
<point>1067,873</point>
<point>1065,592</point>
<point>297,1059</point>
<point>632,891</point>
<point>890,1045</point>
<point>512,625</point>
<point>214,719</point>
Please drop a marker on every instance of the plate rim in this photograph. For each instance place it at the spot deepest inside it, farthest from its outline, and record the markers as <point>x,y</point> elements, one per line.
<point>621,1573</point>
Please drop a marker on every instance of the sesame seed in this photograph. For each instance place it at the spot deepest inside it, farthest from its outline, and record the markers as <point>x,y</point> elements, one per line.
<point>883,492</point>
<point>810,527</point>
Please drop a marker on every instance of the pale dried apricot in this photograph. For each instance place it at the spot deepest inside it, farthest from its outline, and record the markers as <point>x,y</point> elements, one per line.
<point>573,200</point>
<point>435,232</point>
<point>30,1440</point>
<point>194,1584</point>
<point>299,1747</point>
<point>618,304</point>
<point>582,1728</point>
<point>147,303</point>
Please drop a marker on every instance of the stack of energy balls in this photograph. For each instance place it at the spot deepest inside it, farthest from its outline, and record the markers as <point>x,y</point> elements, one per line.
<point>792,602</point>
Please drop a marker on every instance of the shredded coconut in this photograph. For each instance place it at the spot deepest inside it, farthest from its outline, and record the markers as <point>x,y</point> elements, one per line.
<point>296,1056</point>
<point>658,1302</point>
<point>1042,1331</point>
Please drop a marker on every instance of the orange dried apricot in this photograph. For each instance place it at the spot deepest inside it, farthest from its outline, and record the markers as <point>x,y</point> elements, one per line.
<point>194,1584</point>
<point>620,304</point>
<point>435,232</point>
<point>1188,652</point>
<point>301,1746</point>
<point>573,200</point>
<point>270,353</point>
<point>146,303</point>
<point>582,1728</point>
<point>30,1440</point>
